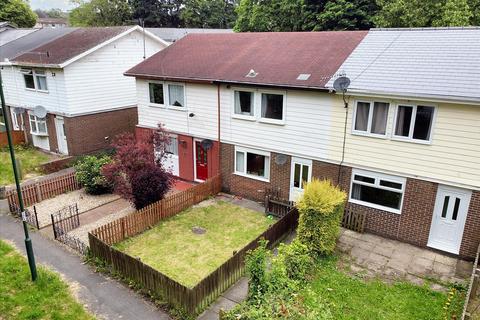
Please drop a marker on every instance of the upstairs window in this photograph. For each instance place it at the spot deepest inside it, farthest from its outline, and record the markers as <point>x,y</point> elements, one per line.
<point>244,103</point>
<point>35,79</point>
<point>38,126</point>
<point>176,95</point>
<point>371,118</point>
<point>377,190</point>
<point>272,106</point>
<point>156,93</point>
<point>414,122</point>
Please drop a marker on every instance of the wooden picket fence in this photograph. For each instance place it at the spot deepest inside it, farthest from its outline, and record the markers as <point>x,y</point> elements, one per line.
<point>192,300</point>
<point>354,220</point>
<point>149,216</point>
<point>473,294</point>
<point>44,189</point>
<point>277,207</point>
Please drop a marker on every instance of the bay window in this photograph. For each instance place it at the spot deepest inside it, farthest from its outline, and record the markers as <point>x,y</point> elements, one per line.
<point>414,122</point>
<point>377,190</point>
<point>252,163</point>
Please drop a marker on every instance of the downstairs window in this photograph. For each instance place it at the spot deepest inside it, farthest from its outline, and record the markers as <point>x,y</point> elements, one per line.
<point>251,163</point>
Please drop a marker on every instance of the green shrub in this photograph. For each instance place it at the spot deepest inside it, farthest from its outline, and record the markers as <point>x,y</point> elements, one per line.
<point>296,259</point>
<point>89,175</point>
<point>321,209</point>
<point>256,264</point>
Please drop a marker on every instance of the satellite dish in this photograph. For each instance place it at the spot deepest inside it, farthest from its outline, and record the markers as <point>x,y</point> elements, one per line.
<point>341,84</point>
<point>40,112</point>
<point>18,110</point>
<point>207,144</point>
<point>281,159</point>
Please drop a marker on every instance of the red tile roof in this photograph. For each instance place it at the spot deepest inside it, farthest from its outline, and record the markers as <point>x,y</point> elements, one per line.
<point>69,46</point>
<point>278,57</point>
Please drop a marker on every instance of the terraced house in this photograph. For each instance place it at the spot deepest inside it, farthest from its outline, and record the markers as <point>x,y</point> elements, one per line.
<point>260,108</point>
<point>76,76</point>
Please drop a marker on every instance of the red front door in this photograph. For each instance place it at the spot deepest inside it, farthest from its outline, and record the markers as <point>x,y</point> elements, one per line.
<point>201,161</point>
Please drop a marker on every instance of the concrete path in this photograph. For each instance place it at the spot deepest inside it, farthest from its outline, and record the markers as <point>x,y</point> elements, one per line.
<point>104,297</point>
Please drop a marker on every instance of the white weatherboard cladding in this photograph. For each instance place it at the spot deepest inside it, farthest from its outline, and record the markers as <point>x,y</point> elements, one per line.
<point>201,100</point>
<point>16,94</point>
<point>417,62</point>
<point>306,133</point>
<point>453,156</point>
<point>96,81</point>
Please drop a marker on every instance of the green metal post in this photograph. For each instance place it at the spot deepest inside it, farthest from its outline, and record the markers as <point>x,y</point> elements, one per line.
<point>28,241</point>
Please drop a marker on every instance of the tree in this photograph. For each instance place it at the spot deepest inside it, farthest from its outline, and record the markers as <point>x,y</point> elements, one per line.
<point>136,172</point>
<point>209,13</point>
<point>17,12</point>
<point>52,13</point>
<point>158,13</point>
<point>347,15</point>
<point>99,13</point>
<point>456,13</point>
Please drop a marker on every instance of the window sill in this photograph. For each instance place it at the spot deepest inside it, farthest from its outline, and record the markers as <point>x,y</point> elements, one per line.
<point>243,117</point>
<point>165,107</point>
<point>35,90</point>
<point>371,135</point>
<point>374,206</point>
<point>272,121</point>
<point>251,176</point>
<point>39,134</point>
<point>403,139</point>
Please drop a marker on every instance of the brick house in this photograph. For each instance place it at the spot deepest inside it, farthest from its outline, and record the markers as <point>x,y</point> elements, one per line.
<point>76,75</point>
<point>260,108</point>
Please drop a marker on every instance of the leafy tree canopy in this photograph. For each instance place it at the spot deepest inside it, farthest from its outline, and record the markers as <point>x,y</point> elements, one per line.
<point>52,13</point>
<point>17,12</point>
<point>158,13</point>
<point>209,13</point>
<point>99,13</point>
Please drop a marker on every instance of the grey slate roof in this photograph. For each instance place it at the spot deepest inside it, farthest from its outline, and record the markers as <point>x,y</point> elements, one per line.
<point>174,34</point>
<point>7,35</point>
<point>437,63</point>
<point>31,41</point>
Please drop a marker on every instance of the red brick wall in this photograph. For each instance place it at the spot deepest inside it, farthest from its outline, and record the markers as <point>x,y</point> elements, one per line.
<point>471,235</point>
<point>86,134</point>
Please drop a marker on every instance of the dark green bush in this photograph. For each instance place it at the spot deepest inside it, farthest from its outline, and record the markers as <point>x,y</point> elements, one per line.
<point>256,264</point>
<point>321,209</point>
<point>296,259</point>
<point>89,175</point>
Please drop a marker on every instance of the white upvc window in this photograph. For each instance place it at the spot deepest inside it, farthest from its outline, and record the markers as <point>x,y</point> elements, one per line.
<point>252,163</point>
<point>38,126</point>
<point>167,94</point>
<point>414,123</point>
<point>244,104</point>
<point>377,190</point>
<point>272,107</point>
<point>35,79</point>
<point>267,106</point>
<point>370,118</point>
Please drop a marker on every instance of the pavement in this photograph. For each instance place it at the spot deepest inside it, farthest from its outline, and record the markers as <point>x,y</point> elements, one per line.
<point>104,297</point>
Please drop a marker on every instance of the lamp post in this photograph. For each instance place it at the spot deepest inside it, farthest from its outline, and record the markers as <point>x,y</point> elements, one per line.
<point>28,241</point>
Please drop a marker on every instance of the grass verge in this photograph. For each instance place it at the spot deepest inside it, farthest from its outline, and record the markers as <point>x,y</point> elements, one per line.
<point>21,299</point>
<point>29,157</point>
<point>173,249</point>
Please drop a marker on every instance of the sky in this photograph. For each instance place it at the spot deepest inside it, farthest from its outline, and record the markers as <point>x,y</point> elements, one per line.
<point>51,4</point>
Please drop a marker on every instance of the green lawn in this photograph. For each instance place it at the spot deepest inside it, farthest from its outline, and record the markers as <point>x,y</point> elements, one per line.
<point>172,248</point>
<point>29,158</point>
<point>349,297</point>
<point>20,298</point>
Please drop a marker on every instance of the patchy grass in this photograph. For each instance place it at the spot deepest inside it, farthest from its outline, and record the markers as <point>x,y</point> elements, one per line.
<point>349,297</point>
<point>29,157</point>
<point>20,298</point>
<point>172,248</point>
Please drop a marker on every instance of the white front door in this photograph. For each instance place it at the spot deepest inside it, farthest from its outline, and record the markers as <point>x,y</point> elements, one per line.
<point>301,173</point>
<point>449,216</point>
<point>61,136</point>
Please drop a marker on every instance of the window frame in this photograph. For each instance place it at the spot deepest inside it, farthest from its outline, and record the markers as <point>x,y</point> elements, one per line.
<point>368,133</point>
<point>412,122</point>
<point>284,103</point>
<point>378,177</point>
<point>35,73</point>
<point>166,95</point>
<point>243,150</point>
<point>37,120</point>
<point>244,116</point>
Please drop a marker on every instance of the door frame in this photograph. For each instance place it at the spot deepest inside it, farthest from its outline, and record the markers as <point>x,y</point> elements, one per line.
<point>461,228</point>
<point>195,159</point>
<point>301,161</point>
<point>56,121</point>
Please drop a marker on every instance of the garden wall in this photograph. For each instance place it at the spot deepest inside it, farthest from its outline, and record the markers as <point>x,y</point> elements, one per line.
<point>191,300</point>
<point>17,136</point>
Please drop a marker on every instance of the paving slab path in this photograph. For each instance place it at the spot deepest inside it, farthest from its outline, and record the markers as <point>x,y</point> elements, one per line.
<point>104,297</point>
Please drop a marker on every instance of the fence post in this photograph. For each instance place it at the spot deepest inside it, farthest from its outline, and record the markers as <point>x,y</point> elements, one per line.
<point>38,192</point>
<point>53,226</point>
<point>36,217</point>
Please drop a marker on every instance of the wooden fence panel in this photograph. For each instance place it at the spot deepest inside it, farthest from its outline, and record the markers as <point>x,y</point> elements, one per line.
<point>44,189</point>
<point>354,220</point>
